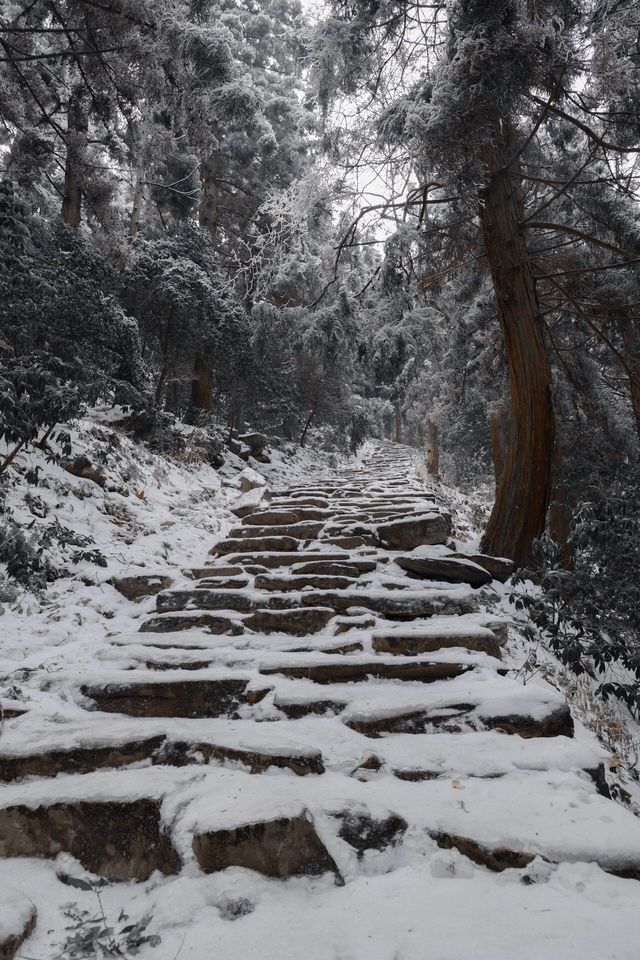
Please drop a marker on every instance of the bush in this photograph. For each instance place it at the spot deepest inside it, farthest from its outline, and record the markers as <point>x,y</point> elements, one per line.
<point>590,614</point>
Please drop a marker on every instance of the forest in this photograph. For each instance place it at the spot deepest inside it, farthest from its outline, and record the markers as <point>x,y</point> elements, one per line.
<point>379,218</point>
<point>319,479</point>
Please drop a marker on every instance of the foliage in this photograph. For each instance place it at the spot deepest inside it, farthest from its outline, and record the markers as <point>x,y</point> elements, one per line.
<point>590,613</point>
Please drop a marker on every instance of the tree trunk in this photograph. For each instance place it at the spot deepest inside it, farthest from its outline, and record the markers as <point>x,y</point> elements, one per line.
<point>397,422</point>
<point>432,452</point>
<point>524,489</point>
<point>208,209</point>
<point>498,426</point>
<point>76,143</point>
<point>202,383</point>
<point>305,430</point>
<point>138,203</point>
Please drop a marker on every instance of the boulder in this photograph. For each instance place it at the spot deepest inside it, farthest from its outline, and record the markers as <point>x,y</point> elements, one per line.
<point>429,528</point>
<point>140,586</point>
<point>500,568</point>
<point>240,449</point>
<point>447,569</point>
<point>250,501</point>
<point>249,479</point>
<point>257,442</point>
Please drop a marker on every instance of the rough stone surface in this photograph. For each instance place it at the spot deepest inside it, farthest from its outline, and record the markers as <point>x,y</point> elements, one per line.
<point>446,569</point>
<point>116,840</point>
<point>286,847</point>
<point>429,529</point>
<point>297,621</point>
<point>173,698</point>
<point>140,586</point>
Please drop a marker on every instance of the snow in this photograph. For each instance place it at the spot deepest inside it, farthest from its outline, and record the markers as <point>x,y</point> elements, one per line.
<point>409,901</point>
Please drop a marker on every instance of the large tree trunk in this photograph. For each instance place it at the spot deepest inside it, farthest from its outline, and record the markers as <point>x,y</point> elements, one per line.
<point>138,202</point>
<point>76,143</point>
<point>208,208</point>
<point>524,488</point>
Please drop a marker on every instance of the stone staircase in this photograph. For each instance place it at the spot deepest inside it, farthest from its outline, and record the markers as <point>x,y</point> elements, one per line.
<point>303,705</point>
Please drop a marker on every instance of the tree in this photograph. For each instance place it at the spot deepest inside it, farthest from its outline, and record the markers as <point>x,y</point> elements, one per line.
<point>464,98</point>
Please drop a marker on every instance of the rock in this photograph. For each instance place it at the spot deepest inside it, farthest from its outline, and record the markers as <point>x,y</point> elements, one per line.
<point>497,859</point>
<point>348,568</point>
<point>391,605</point>
<point>345,670</point>
<point>295,710</point>
<point>205,573</point>
<point>271,582</point>
<point>249,479</point>
<point>119,840</point>
<point>430,528</point>
<point>240,449</point>
<point>363,832</point>
<point>81,467</point>
<point>174,623</point>
<point>447,569</point>
<point>299,531</point>
<point>77,759</point>
<point>140,586</point>
<point>250,501</point>
<point>277,517</point>
<point>257,442</point>
<point>172,698</point>
<point>17,920</point>
<point>500,568</point>
<point>281,559</point>
<point>181,753</point>
<point>256,544</point>
<point>295,621</point>
<point>411,643</point>
<point>171,601</point>
<point>286,847</point>
<point>557,723</point>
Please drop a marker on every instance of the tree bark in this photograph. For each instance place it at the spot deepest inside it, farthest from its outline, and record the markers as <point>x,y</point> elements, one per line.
<point>432,452</point>
<point>202,383</point>
<point>138,203</point>
<point>397,415</point>
<point>208,208</point>
<point>498,429</point>
<point>76,143</point>
<point>524,489</point>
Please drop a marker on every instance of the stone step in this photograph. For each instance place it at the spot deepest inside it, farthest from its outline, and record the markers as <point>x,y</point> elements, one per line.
<point>202,573</point>
<point>427,529</point>
<point>349,670</point>
<point>394,605</point>
<point>283,847</point>
<point>139,586</point>
<point>347,568</point>
<point>256,545</point>
<point>119,839</point>
<point>223,583</point>
<point>413,643</point>
<point>303,582</point>
<point>456,717</point>
<point>299,531</point>
<point>197,620</point>
<point>187,697</point>
<point>269,560</point>
<point>298,621</point>
<point>173,601</point>
<point>446,568</point>
<point>287,518</point>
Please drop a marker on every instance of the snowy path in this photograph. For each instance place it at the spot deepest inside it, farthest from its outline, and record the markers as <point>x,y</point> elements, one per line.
<point>316,747</point>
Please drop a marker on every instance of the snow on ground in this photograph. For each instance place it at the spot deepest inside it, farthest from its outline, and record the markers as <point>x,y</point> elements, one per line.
<point>413,901</point>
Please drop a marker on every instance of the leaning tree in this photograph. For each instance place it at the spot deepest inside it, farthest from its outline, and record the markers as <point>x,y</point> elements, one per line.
<point>471,105</point>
